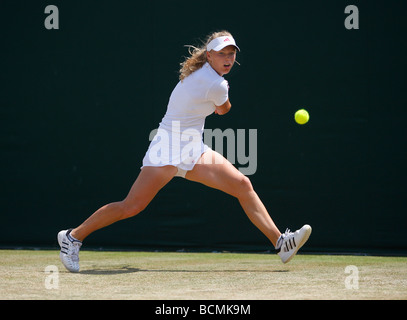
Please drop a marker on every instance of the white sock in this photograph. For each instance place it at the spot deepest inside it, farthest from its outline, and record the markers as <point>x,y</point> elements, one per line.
<point>71,237</point>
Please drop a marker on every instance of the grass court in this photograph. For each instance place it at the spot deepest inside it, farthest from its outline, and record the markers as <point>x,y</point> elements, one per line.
<point>38,274</point>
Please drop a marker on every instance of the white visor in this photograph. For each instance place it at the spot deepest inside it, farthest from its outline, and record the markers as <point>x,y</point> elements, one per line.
<point>220,43</point>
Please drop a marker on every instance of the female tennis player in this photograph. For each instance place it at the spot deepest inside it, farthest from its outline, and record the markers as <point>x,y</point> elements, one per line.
<point>178,150</point>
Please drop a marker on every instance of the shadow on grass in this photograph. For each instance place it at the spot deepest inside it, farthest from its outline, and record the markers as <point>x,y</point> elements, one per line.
<point>127,269</point>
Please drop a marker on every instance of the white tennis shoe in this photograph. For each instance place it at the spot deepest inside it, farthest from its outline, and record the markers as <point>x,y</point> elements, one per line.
<point>69,253</point>
<point>290,242</point>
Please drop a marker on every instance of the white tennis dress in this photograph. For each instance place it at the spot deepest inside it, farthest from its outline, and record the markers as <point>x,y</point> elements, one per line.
<point>179,138</point>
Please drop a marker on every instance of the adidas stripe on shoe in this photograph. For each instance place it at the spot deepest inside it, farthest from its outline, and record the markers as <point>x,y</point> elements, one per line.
<point>290,242</point>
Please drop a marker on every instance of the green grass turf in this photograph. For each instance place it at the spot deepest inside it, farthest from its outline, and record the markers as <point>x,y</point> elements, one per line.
<point>178,276</point>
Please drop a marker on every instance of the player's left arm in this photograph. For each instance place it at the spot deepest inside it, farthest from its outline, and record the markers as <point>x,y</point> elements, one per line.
<point>224,108</point>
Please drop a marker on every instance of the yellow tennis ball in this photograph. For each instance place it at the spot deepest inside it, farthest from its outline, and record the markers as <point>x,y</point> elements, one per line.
<point>301,116</point>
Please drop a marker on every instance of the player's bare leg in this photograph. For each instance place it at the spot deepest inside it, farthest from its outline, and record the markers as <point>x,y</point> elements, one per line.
<point>144,189</point>
<point>215,171</point>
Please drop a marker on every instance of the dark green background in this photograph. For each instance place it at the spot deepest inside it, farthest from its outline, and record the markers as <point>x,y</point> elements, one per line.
<point>78,104</point>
